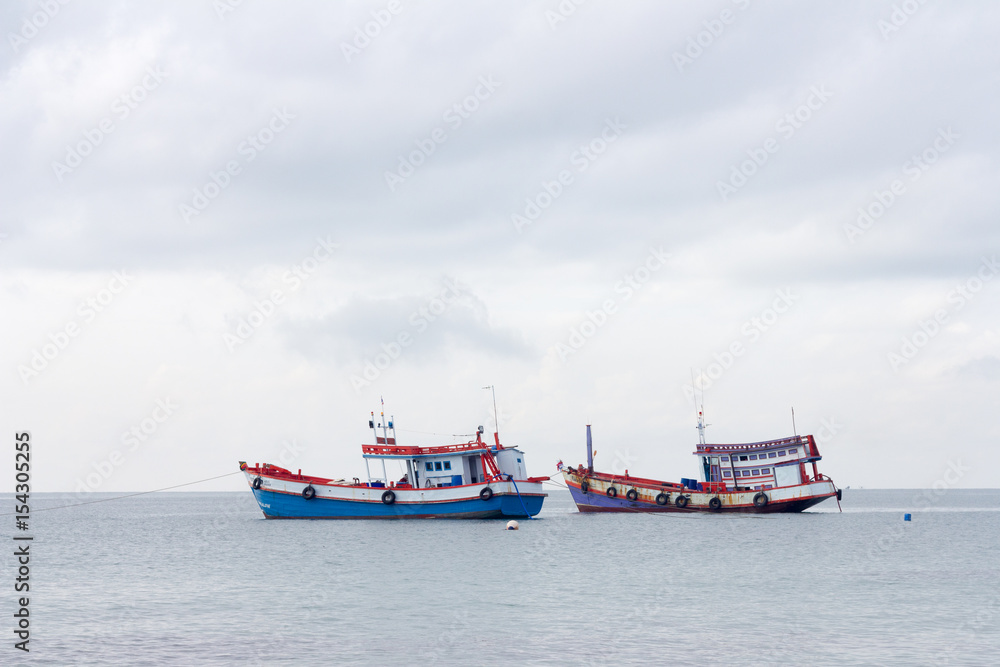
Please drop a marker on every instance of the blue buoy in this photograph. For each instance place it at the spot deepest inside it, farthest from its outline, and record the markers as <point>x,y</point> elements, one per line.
<point>906,517</point>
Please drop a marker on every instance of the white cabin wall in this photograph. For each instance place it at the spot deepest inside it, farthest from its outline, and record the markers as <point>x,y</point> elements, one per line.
<point>787,475</point>
<point>511,462</point>
<point>442,476</point>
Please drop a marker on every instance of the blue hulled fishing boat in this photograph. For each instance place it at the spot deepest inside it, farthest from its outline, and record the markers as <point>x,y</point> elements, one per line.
<point>468,480</point>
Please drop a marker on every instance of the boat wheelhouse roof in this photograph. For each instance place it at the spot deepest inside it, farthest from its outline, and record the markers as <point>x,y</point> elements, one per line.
<point>391,450</point>
<point>807,441</point>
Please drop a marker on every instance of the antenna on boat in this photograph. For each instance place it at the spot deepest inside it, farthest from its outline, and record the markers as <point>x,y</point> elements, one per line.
<point>371,425</point>
<point>385,438</point>
<point>794,432</point>
<point>385,429</point>
<point>701,411</point>
<point>496,420</point>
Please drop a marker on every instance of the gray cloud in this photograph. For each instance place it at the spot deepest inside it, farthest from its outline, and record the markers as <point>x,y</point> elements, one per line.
<point>890,95</point>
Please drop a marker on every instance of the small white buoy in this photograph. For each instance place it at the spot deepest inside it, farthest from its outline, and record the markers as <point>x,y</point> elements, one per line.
<point>512,525</point>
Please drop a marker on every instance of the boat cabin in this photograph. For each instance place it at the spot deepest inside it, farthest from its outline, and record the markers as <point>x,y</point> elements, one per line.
<point>473,462</point>
<point>759,465</point>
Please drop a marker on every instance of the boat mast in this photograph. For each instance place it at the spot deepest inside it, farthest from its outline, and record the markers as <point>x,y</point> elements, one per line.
<point>496,420</point>
<point>706,463</point>
<point>385,436</point>
<point>371,425</point>
<point>701,412</point>
<point>590,452</point>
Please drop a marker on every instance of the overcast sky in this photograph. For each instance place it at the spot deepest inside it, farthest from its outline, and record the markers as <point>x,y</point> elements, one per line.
<point>226,230</point>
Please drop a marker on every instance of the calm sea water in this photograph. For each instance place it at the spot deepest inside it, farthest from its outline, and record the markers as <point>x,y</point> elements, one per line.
<point>190,579</point>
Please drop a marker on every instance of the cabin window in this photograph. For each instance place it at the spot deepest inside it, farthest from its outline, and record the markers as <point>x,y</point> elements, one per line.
<point>430,466</point>
<point>447,465</point>
<point>771,455</point>
<point>765,471</point>
<point>753,457</point>
<point>725,458</point>
<point>725,473</point>
<point>519,460</point>
<point>755,472</point>
<point>743,458</point>
<point>781,453</point>
<point>767,486</point>
<point>792,452</point>
<point>437,465</point>
<point>746,473</point>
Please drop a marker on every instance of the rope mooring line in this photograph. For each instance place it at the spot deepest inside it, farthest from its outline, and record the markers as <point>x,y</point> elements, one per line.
<point>130,495</point>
